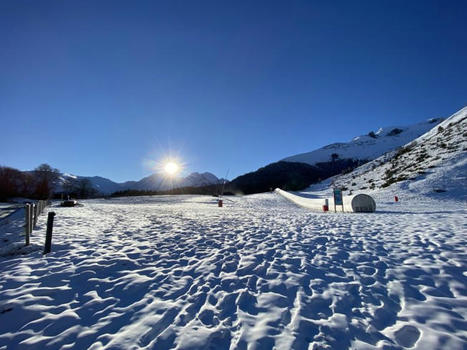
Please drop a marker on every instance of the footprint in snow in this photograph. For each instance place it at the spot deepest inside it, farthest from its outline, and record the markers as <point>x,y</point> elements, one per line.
<point>407,336</point>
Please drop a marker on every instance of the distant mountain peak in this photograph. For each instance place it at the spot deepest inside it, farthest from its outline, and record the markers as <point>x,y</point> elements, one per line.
<point>153,182</point>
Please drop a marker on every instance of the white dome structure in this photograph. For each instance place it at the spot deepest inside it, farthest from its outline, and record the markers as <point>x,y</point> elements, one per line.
<point>361,203</point>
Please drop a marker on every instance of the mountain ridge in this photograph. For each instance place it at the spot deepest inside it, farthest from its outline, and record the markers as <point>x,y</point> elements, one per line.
<point>152,182</point>
<point>426,159</point>
<point>366,147</point>
<point>328,161</point>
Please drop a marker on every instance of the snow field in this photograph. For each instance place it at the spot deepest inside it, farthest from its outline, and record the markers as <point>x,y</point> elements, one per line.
<point>177,272</point>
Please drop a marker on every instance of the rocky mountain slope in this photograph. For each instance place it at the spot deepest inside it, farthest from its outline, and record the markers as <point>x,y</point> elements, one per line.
<point>367,147</point>
<point>443,147</point>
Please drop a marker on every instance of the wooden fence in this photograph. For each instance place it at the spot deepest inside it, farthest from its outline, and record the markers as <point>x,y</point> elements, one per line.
<point>32,212</point>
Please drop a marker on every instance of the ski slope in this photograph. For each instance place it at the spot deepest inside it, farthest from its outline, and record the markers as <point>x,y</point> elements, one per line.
<point>177,272</point>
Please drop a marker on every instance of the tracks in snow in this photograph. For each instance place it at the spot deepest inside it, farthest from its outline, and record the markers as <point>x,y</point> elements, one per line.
<point>259,274</point>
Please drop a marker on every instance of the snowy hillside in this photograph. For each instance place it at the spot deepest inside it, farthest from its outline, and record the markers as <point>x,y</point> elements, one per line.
<point>367,147</point>
<point>434,162</point>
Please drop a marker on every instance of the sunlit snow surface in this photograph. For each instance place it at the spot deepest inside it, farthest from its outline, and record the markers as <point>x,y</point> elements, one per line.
<point>260,273</point>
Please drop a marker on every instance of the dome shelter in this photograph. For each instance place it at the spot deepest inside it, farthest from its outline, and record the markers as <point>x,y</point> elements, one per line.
<point>359,203</point>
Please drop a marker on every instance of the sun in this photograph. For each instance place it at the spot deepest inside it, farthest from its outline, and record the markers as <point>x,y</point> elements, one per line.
<point>171,168</point>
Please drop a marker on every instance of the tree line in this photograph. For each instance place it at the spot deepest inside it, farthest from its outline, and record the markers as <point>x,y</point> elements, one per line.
<point>44,182</point>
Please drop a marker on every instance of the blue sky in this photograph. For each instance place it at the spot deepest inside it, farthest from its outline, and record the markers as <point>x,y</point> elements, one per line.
<point>108,87</point>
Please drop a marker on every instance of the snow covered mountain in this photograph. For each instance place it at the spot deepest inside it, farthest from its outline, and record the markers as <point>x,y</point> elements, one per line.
<point>157,182</point>
<point>366,147</point>
<point>196,179</point>
<point>152,182</point>
<point>328,161</point>
<point>435,162</point>
<point>102,184</point>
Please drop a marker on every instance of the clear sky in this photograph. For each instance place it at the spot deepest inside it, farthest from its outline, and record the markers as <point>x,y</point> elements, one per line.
<point>108,87</point>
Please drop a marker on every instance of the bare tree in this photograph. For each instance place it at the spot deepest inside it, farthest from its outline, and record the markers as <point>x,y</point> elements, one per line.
<point>46,178</point>
<point>27,184</point>
<point>10,182</point>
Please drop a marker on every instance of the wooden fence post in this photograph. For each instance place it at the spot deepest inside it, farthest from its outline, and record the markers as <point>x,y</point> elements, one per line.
<point>36,214</point>
<point>48,236</point>
<point>31,218</point>
<point>26,223</point>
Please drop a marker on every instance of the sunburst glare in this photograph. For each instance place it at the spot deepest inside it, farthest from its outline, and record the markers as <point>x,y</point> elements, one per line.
<point>171,168</point>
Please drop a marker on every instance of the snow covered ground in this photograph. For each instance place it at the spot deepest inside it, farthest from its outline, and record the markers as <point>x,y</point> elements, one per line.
<point>177,272</point>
